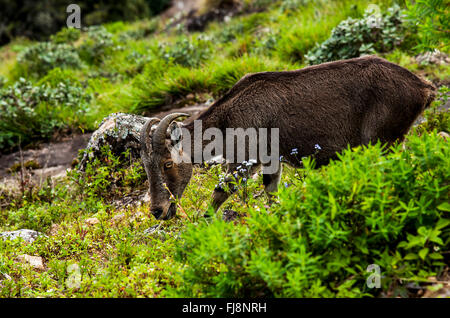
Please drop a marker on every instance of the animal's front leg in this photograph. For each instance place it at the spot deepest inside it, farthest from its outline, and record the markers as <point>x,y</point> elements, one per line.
<point>223,190</point>
<point>271,182</point>
<point>228,186</point>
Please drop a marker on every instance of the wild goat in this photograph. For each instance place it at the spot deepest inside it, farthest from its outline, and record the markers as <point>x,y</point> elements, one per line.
<point>348,102</point>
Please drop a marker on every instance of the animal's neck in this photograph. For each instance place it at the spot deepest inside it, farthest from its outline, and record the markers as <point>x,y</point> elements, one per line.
<point>209,119</point>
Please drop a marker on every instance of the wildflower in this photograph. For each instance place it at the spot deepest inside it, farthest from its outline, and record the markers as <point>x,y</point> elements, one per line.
<point>244,179</point>
<point>294,151</point>
<point>286,185</point>
<point>281,158</point>
<point>317,147</point>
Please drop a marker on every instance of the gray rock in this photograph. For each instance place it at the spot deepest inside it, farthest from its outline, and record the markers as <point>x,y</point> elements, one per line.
<point>27,235</point>
<point>120,132</point>
<point>156,232</point>
<point>34,261</point>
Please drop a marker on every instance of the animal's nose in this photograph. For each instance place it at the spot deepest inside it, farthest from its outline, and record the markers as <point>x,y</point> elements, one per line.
<point>157,213</point>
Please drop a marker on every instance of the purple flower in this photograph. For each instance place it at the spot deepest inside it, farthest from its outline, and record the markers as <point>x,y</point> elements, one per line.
<point>317,147</point>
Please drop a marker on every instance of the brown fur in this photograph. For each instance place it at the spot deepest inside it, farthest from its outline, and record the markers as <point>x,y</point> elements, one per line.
<point>337,104</point>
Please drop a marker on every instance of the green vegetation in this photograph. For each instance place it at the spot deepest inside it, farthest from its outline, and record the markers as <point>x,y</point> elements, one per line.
<point>431,21</point>
<point>40,19</point>
<point>356,37</point>
<point>368,208</point>
<point>380,206</point>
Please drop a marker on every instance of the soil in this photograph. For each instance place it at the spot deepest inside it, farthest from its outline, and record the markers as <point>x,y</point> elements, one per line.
<point>53,158</point>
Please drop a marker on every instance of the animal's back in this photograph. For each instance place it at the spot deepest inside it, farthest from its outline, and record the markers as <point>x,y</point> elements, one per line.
<point>348,102</point>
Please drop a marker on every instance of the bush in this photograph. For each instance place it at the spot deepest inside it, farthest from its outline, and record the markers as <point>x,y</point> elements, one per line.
<point>186,53</point>
<point>109,176</point>
<point>38,59</point>
<point>431,21</point>
<point>66,35</point>
<point>97,46</point>
<point>356,37</point>
<point>29,113</point>
<point>371,207</point>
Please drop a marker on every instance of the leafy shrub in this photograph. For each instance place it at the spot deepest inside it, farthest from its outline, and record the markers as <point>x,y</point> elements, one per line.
<point>144,30</point>
<point>38,59</point>
<point>355,37</point>
<point>97,46</point>
<point>431,21</point>
<point>267,43</point>
<point>371,207</point>
<point>186,53</point>
<point>57,76</point>
<point>229,32</point>
<point>29,113</point>
<point>109,176</point>
<point>66,35</point>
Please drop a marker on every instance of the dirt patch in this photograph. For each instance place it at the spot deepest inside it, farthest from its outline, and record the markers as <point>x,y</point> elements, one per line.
<point>53,158</point>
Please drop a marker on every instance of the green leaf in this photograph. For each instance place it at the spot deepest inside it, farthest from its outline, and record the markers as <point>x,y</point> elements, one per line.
<point>445,206</point>
<point>423,253</point>
<point>436,256</point>
<point>410,256</point>
<point>442,223</point>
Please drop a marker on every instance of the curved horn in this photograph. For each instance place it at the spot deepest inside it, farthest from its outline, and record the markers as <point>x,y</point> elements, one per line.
<point>159,136</point>
<point>145,135</point>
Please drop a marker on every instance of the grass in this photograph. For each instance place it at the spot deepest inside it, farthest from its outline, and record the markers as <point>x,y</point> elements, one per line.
<point>146,68</point>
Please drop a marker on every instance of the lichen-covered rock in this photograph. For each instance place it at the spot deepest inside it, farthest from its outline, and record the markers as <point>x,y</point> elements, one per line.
<point>120,131</point>
<point>27,235</point>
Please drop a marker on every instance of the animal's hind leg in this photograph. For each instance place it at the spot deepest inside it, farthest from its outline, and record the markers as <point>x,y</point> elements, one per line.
<point>381,126</point>
<point>271,182</point>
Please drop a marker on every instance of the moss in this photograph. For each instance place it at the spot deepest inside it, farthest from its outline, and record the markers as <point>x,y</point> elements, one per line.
<point>30,164</point>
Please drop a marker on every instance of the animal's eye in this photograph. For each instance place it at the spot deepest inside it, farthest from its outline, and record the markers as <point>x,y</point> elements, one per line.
<point>168,165</point>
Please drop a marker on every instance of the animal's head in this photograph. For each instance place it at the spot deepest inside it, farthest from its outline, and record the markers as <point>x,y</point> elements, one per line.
<point>168,172</point>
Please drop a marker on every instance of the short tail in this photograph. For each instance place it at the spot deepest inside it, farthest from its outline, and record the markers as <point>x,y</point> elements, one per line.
<point>430,93</point>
